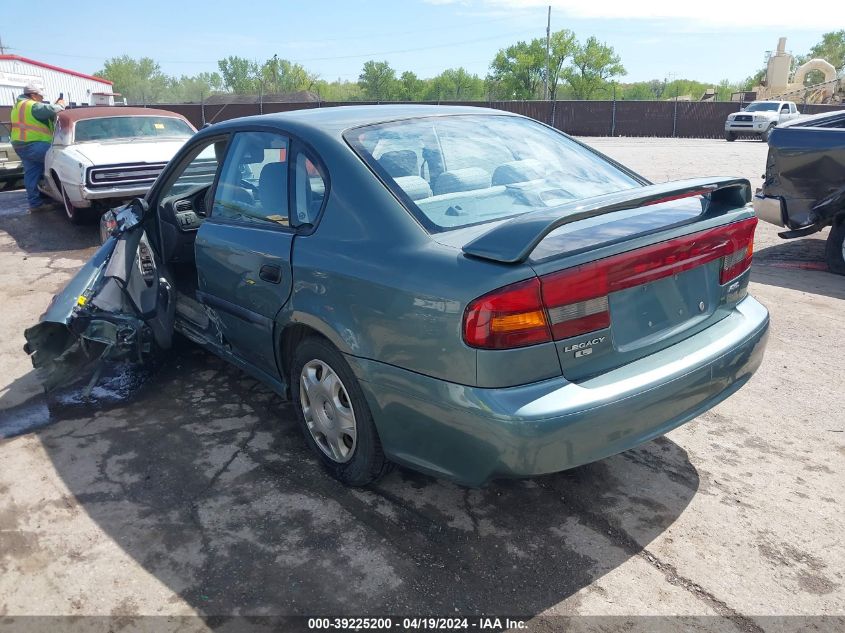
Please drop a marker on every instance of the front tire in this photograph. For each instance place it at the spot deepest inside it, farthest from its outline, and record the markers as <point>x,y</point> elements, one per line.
<point>333,414</point>
<point>75,214</point>
<point>766,134</point>
<point>834,252</point>
<point>730,136</point>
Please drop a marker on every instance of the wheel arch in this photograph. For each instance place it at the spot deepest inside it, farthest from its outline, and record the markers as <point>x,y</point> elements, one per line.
<point>292,334</point>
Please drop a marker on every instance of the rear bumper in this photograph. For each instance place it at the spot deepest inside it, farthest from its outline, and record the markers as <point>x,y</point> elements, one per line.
<point>11,169</point>
<point>472,435</point>
<point>769,209</point>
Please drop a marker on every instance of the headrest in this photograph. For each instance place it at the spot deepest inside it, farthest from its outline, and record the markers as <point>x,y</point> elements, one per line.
<point>461,180</point>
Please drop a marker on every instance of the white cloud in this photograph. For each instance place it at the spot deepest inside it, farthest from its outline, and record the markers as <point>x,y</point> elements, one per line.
<point>783,14</point>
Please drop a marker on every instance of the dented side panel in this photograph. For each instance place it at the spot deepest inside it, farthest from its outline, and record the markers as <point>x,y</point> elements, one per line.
<point>806,169</point>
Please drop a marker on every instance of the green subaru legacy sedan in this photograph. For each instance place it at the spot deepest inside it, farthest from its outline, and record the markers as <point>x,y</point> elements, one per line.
<point>462,291</point>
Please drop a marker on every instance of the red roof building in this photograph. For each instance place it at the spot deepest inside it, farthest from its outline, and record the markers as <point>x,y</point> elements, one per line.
<point>76,87</point>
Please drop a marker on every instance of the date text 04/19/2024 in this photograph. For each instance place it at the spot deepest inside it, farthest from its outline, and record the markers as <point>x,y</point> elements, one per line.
<point>479,623</point>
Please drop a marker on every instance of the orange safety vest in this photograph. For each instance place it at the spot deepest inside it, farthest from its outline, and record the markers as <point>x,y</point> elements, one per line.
<point>25,127</point>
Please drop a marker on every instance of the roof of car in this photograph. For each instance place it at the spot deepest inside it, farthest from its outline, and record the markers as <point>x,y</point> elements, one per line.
<point>96,112</point>
<point>338,118</point>
<point>812,119</point>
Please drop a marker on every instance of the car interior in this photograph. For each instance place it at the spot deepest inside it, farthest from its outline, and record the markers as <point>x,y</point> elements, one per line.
<point>452,176</point>
<point>445,196</point>
<point>252,188</point>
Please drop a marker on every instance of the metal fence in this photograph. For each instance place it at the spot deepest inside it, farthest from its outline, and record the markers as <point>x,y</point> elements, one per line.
<point>682,119</point>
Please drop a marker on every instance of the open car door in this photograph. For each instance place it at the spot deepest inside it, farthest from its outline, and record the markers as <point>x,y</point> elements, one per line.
<point>120,305</point>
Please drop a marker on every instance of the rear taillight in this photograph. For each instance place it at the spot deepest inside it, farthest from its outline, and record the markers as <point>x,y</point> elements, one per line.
<point>575,301</point>
<point>510,317</point>
<point>736,263</point>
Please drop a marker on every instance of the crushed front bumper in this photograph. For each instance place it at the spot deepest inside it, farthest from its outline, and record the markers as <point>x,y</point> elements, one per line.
<point>472,435</point>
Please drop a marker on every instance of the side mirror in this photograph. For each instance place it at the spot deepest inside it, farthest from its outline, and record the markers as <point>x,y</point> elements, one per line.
<point>130,215</point>
<point>140,207</point>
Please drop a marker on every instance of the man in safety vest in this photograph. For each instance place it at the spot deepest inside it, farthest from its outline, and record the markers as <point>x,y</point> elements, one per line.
<point>32,131</point>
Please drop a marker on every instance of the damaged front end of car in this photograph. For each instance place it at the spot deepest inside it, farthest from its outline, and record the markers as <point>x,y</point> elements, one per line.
<point>115,308</point>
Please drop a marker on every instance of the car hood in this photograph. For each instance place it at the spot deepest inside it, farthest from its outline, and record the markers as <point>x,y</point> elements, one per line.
<point>129,151</point>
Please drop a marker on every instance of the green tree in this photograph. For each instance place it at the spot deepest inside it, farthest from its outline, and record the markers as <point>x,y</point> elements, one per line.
<point>726,88</point>
<point>562,45</point>
<point>639,91</point>
<point>411,87</point>
<point>280,76</point>
<point>685,87</point>
<point>593,63</point>
<point>831,49</point>
<point>195,88</point>
<point>139,80</point>
<point>754,80</point>
<point>455,84</point>
<point>517,71</point>
<point>339,90</point>
<point>378,81</point>
<point>240,75</point>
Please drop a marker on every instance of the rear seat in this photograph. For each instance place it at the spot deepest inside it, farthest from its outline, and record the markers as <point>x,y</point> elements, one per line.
<point>461,180</point>
<point>416,188</point>
<point>518,171</point>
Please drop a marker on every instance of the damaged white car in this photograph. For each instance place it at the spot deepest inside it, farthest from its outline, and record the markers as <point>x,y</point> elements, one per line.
<point>103,156</point>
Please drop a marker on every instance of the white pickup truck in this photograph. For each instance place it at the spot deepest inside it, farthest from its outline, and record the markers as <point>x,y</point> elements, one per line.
<point>759,118</point>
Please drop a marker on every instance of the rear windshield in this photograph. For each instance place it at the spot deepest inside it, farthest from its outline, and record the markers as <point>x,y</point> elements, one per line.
<point>114,127</point>
<point>5,136</point>
<point>459,170</point>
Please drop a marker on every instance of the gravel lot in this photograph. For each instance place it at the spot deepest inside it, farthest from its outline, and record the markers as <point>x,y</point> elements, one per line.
<point>187,489</point>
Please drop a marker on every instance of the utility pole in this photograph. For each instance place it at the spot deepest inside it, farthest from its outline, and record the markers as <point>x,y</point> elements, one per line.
<point>548,53</point>
<point>2,48</point>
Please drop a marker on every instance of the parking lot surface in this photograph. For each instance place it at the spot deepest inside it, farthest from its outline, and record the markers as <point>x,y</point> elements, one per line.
<point>187,488</point>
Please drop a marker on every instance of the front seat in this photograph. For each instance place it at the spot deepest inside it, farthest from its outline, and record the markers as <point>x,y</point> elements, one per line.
<point>273,189</point>
<point>398,163</point>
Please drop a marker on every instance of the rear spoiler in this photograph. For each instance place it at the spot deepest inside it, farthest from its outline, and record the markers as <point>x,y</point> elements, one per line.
<point>513,241</point>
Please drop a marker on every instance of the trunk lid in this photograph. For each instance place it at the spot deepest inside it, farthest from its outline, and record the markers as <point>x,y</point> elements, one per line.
<point>620,280</point>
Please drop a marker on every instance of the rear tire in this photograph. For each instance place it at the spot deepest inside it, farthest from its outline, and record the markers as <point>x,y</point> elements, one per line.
<point>730,136</point>
<point>333,414</point>
<point>75,214</point>
<point>834,252</point>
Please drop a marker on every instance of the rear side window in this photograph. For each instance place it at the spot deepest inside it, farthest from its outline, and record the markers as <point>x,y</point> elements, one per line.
<point>253,185</point>
<point>309,189</point>
<point>461,170</point>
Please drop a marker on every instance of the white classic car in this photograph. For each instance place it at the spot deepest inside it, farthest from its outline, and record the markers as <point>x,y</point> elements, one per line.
<point>103,156</point>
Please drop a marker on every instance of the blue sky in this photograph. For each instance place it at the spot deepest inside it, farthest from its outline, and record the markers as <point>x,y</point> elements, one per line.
<point>656,38</point>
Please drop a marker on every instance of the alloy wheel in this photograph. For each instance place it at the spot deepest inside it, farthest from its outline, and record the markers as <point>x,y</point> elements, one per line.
<point>328,411</point>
